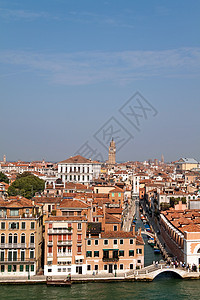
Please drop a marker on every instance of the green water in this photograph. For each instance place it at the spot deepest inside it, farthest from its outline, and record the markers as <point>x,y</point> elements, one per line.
<point>158,289</point>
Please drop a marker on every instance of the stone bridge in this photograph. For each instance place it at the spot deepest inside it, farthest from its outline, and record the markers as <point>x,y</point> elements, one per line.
<point>152,235</point>
<point>151,272</point>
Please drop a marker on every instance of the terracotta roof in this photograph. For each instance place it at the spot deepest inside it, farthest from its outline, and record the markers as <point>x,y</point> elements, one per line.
<point>73,204</point>
<point>111,219</point>
<point>117,234</point>
<point>78,159</point>
<point>190,228</point>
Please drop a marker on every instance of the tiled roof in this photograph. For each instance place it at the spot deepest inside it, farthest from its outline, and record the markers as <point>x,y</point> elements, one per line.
<point>117,234</point>
<point>111,219</point>
<point>73,204</point>
<point>78,159</point>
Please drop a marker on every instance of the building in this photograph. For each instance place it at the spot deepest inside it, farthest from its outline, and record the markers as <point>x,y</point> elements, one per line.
<point>21,237</point>
<point>114,252</point>
<point>185,164</point>
<point>112,153</point>
<point>181,232</point>
<point>78,169</point>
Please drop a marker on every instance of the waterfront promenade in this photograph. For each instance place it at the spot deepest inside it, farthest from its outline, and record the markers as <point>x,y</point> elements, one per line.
<point>148,273</point>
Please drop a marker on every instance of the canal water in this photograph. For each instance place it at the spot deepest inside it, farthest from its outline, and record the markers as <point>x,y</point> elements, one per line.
<point>162,288</point>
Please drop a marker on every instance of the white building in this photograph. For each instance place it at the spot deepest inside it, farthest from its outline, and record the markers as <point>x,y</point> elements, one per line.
<point>78,169</point>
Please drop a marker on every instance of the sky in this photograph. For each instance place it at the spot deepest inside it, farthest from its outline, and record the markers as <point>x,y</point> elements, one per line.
<point>75,74</point>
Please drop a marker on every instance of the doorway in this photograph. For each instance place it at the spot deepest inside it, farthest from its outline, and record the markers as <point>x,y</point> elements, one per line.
<point>110,268</point>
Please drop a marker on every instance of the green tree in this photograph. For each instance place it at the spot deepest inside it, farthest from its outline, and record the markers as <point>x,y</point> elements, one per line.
<point>3,178</point>
<point>26,186</point>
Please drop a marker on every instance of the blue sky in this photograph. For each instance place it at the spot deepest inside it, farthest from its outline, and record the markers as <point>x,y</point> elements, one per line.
<point>67,67</point>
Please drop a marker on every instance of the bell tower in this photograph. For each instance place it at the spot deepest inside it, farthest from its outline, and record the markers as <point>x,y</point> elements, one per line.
<point>112,153</point>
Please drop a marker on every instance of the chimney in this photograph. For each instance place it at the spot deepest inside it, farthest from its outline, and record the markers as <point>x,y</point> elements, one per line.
<point>133,228</point>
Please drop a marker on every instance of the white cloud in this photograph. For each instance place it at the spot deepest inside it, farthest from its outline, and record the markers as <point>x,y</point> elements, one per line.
<point>83,68</point>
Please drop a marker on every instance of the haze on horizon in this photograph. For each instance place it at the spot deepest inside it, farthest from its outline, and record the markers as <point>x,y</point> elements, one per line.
<point>67,67</point>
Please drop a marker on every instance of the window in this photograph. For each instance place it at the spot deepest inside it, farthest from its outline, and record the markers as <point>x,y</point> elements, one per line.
<point>121,266</point>
<point>105,267</point>
<point>2,255</point>
<point>105,242</point>
<point>79,226</point>
<point>79,249</point>
<point>96,242</point>
<point>9,268</point>
<point>89,254</point>
<point>121,252</point>
<point>113,194</point>
<point>32,238</point>
<point>115,242</point>
<point>14,255</point>
<point>32,225</point>
<point>23,238</point>
<point>21,268</point>
<point>115,266</point>
<point>96,267</point>
<point>49,270</point>
<point>139,261</point>
<point>15,238</point>
<point>14,212</point>
<point>2,238</point>
<point>3,225</point>
<point>13,225</point>
<point>22,255</point>
<point>9,255</point>
<point>31,253</point>
<point>23,225</point>
<point>2,268</point>
<point>115,227</point>
<point>89,242</point>
<point>96,253</point>
<point>131,242</point>
<point>32,268</point>
<point>88,267</point>
<point>131,252</point>
<point>10,239</point>
<point>119,194</point>
<point>131,266</point>
<point>139,251</point>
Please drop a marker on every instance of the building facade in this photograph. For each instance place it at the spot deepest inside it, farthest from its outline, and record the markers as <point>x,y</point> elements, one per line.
<point>78,169</point>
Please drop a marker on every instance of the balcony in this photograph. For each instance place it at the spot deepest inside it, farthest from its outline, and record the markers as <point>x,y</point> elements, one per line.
<point>64,243</point>
<point>50,243</point>
<point>14,246</point>
<point>110,259</point>
<point>60,231</point>
<point>64,254</point>
<point>49,254</point>
<point>18,261</point>
<point>31,245</point>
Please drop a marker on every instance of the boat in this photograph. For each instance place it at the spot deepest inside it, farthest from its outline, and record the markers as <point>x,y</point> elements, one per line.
<point>151,242</point>
<point>58,282</point>
<point>156,250</point>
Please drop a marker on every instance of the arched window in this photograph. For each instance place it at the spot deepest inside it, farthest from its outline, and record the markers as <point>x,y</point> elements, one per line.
<point>10,238</point>
<point>198,250</point>
<point>23,238</point>
<point>2,238</point>
<point>32,238</point>
<point>15,238</point>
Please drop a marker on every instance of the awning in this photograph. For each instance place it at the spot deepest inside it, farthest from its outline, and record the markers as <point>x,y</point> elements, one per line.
<point>110,249</point>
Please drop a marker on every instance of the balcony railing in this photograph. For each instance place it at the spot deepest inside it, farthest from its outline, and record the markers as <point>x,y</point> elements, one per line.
<point>110,259</point>
<point>14,246</point>
<point>64,243</point>
<point>60,231</point>
<point>64,254</point>
<point>17,261</point>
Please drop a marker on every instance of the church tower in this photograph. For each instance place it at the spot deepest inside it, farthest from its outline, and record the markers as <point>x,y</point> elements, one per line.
<point>112,152</point>
<point>4,158</point>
